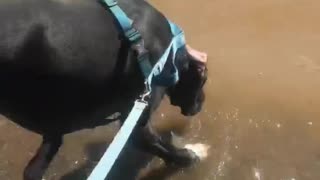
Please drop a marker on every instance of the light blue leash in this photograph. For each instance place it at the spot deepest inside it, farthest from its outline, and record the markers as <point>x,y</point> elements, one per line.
<point>152,75</point>
<point>110,156</point>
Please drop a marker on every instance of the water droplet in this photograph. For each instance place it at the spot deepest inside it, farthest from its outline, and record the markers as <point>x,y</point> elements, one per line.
<point>76,162</point>
<point>162,115</point>
<point>236,146</point>
<point>278,125</point>
<point>310,123</point>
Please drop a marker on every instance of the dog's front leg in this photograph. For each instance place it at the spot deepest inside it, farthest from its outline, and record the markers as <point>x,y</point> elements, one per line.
<point>146,138</point>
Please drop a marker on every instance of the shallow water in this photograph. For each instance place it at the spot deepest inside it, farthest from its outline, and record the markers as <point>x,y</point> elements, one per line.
<point>261,116</point>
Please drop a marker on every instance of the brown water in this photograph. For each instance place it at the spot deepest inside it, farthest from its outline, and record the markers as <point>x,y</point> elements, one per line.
<point>261,116</point>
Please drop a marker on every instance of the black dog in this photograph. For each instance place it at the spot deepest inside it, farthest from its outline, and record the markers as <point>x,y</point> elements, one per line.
<point>63,68</point>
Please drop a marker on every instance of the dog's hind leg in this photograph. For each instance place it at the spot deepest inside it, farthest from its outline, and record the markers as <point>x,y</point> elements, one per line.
<point>40,162</point>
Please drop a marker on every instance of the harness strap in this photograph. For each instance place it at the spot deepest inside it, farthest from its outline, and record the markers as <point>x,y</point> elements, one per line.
<point>124,21</point>
<point>177,42</point>
<point>132,35</point>
<point>143,58</point>
<point>150,73</point>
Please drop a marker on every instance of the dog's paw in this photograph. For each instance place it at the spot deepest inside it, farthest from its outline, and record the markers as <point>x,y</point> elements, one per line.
<point>201,150</point>
<point>183,158</point>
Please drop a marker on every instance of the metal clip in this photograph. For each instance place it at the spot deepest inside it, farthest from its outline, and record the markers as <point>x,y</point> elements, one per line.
<point>146,95</point>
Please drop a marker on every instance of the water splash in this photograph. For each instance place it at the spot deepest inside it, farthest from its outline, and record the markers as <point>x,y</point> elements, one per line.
<point>256,174</point>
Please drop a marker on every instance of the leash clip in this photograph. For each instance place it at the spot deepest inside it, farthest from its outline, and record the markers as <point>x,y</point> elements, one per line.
<point>147,94</point>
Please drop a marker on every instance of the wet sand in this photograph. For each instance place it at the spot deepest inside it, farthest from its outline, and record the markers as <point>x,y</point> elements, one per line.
<point>261,116</point>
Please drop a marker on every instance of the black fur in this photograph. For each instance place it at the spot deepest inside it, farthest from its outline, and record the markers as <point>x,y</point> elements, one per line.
<point>63,68</point>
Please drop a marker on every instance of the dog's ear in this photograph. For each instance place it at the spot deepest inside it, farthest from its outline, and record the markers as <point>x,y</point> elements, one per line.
<point>182,59</point>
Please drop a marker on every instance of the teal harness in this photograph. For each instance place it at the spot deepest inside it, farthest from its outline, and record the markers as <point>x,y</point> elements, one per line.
<point>152,76</point>
<point>133,35</point>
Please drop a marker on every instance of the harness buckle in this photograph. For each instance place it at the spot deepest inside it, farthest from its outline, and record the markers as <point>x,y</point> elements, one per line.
<point>133,35</point>
<point>111,3</point>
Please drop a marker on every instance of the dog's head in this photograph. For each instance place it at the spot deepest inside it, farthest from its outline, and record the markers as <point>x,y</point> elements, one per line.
<point>188,93</point>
